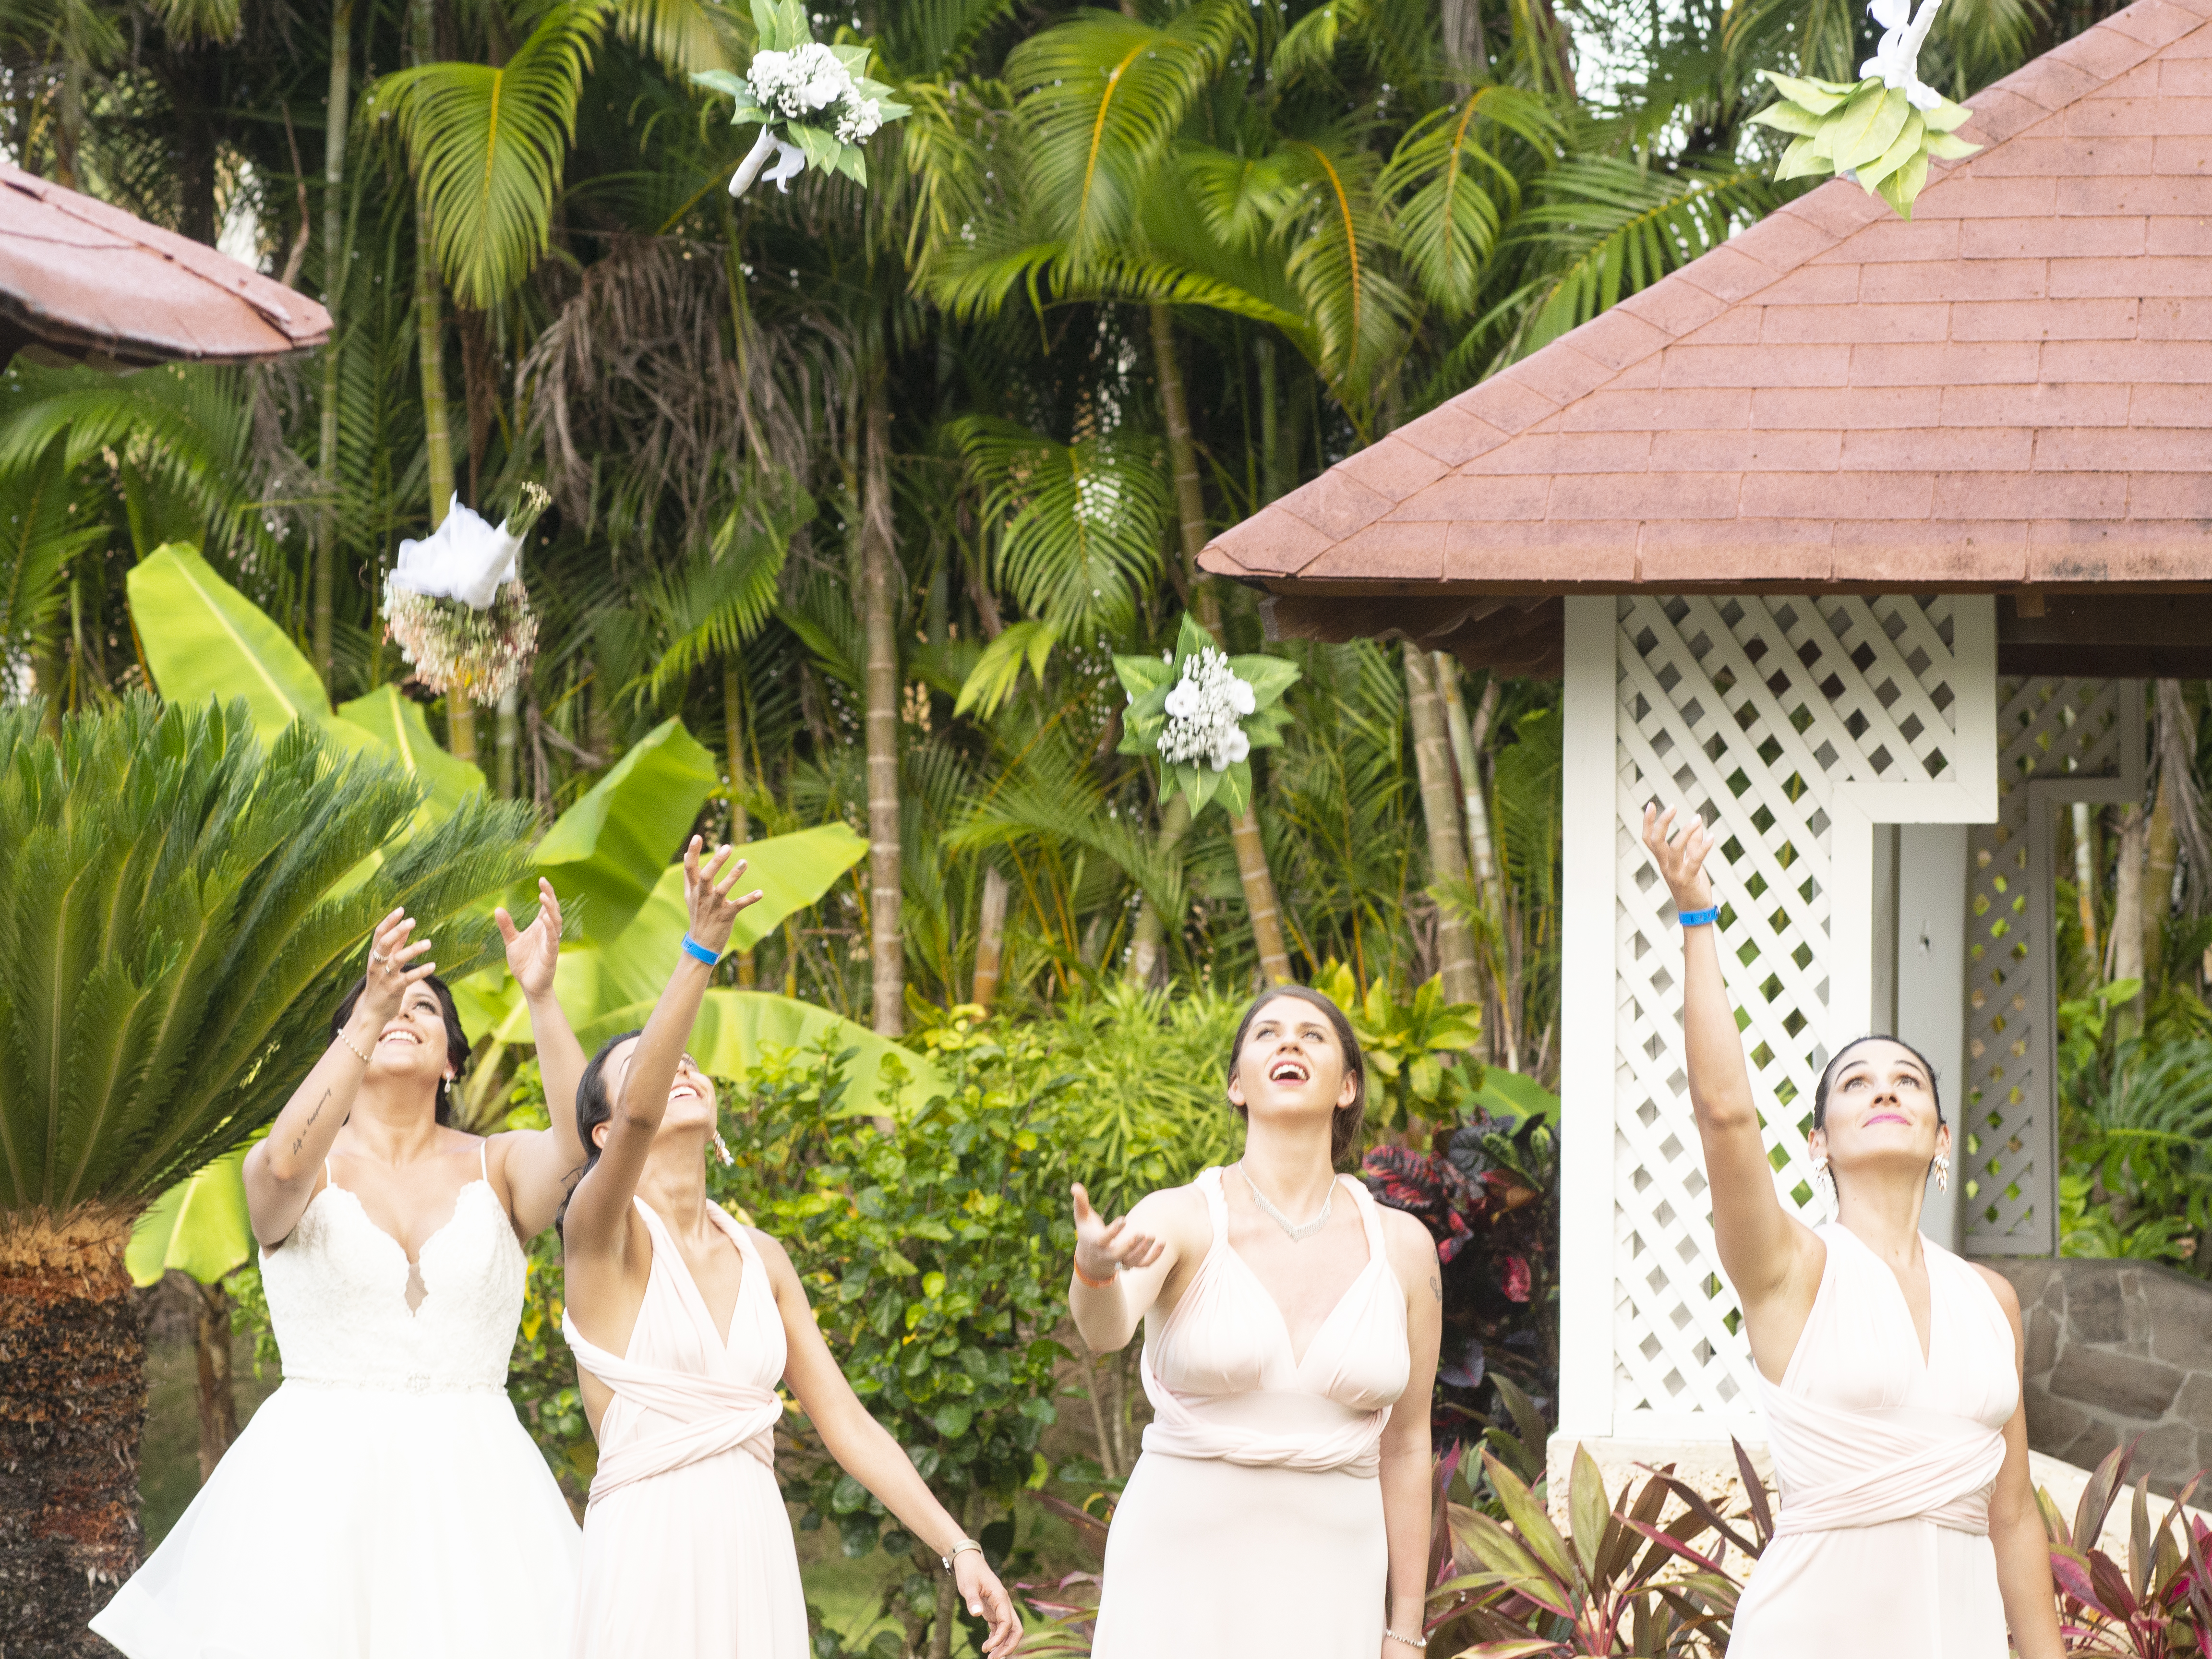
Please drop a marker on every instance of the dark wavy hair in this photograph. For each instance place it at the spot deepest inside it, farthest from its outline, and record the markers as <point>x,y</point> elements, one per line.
<point>1828,1076</point>
<point>1343,1127</point>
<point>594,1106</point>
<point>457,1040</point>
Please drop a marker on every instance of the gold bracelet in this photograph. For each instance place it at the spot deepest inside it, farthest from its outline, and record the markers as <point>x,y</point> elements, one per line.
<point>1106,1284</point>
<point>348,1041</point>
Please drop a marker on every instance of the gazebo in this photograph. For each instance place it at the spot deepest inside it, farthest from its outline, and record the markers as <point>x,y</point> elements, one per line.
<point>1856,536</point>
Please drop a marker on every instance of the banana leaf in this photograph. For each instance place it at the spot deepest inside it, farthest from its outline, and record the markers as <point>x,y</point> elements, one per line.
<point>612,846</point>
<point>400,732</point>
<point>203,638</point>
<point>733,1025</point>
<point>199,1225</point>
<point>598,974</point>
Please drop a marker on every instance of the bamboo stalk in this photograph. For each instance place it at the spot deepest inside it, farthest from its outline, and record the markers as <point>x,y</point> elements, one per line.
<point>1447,849</point>
<point>879,593</point>
<point>336,120</point>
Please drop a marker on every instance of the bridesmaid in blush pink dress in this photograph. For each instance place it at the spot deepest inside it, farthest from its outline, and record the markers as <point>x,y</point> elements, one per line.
<point>1281,1505</point>
<point>1889,1369</point>
<point>682,1323</point>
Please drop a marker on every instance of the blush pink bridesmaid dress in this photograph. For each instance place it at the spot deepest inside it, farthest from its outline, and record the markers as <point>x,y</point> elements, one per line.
<point>1252,1527</point>
<point>687,1546</point>
<point>1885,1461</point>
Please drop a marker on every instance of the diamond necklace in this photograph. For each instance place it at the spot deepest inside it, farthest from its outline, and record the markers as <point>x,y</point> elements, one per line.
<point>1299,1230</point>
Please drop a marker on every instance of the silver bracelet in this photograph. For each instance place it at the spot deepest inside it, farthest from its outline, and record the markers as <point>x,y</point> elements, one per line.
<point>959,1548</point>
<point>1389,1635</point>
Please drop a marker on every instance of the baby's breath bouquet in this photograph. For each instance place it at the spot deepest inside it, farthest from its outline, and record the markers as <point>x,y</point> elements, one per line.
<point>1878,130</point>
<point>456,605</point>
<point>1202,712</point>
<point>814,104</point>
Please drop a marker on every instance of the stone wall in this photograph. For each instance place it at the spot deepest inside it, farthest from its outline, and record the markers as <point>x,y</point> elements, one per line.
<point>2115,1350</point>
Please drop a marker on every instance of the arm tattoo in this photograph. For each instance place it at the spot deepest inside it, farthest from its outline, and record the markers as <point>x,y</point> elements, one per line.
<point>301,1139</point>
<point>1437,1285</point>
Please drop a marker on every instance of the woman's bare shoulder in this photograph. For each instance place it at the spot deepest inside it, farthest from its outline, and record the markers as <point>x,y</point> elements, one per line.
<point>1175,1210</point>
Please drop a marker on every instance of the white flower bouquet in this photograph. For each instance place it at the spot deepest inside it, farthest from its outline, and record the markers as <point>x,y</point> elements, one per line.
<point>814,104</point>
<point>1878,130</point>
<point>1202,712</point>
<point>456,605</point>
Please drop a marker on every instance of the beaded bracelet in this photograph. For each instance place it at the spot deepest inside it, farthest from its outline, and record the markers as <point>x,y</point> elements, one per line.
<point>1410,1641</point>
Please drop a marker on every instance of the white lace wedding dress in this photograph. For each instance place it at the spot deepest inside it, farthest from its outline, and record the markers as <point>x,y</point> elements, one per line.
<point>385,1503</point>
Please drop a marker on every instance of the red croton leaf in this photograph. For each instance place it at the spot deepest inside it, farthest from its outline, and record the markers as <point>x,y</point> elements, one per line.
<point>1518,1280</point>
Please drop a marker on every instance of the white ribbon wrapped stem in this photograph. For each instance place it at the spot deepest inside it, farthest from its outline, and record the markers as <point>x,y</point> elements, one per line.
<point>790,162</point>
<point>1896,59</point>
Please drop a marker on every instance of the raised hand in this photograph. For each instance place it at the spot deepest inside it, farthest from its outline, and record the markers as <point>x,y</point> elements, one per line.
<point>985,1597</point>
<point>1101,1250</point>
<point>392,968</point>
<point>706,892</point>
<point>533,952</point>
<point>1681,859</point>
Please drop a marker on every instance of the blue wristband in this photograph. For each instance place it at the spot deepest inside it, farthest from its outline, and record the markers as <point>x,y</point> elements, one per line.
<point>699,952</point>
<point>1687,918</point>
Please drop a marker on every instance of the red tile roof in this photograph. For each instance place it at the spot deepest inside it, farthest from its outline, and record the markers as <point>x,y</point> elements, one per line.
<point>2015,388</point>
<point>82,276</point>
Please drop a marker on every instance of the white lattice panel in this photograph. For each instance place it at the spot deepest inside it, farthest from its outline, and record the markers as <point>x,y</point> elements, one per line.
<point>1765,716</point>
<point>2059,740</point>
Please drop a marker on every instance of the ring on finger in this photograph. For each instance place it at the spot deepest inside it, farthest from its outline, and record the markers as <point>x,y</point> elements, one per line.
<point>377,959</point>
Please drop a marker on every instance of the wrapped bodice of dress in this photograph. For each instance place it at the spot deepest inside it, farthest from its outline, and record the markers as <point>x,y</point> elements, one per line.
<point>1225,1383</point>
<point>337,1297</point>
<point>1863,1427</point>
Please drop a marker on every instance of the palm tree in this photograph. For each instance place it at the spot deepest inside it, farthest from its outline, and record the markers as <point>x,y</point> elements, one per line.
<point>180,912</point>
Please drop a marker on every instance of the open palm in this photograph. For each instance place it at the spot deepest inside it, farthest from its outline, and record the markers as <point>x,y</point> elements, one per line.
<point>534,952</point>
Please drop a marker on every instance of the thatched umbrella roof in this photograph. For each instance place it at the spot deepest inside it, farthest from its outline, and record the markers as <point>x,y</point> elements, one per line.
<point>88,280</point>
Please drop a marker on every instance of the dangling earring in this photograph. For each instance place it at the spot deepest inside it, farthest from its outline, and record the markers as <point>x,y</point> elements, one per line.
<point>1942,1172</point>
<point>722,1149</point>
<point>1823,1182</point>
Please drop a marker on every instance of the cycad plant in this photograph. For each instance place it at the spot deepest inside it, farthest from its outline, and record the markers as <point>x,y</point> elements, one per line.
<point>178,913</point>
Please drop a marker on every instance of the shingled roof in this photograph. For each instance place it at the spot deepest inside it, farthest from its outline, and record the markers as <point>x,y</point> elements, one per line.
<point>81,276</point>
<point>2012,391</point>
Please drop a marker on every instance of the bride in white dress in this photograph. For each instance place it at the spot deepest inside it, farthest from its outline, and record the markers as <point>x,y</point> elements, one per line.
<point>386,1502</point>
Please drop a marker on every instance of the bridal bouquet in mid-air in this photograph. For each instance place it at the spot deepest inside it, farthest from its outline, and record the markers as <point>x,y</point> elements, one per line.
<point>1200,713</point>
<point>456,603</point>
<point>1878,130</point>
<point>814,104</point>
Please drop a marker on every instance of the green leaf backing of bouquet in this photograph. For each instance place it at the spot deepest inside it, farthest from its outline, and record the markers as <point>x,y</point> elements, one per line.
<point>1863,129</point>
<point>1148,679</point>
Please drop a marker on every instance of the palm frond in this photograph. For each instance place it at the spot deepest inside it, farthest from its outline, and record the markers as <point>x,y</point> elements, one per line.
<point>487,147</point>
<point>1080,525</point>
<point>1452,191</point>
<point>40,534</point>
<point>1607,227</point>
<point>179,912</point>
<point>710,609</point>
<point>1338,239</point>
<point>1101,96</point>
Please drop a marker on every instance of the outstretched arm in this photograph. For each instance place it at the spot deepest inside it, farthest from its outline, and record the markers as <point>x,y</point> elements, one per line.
<point>281,1172</point>
<point>1119,1270</point>
<point>1765,1251</point>
<point>598,1223</point>
<point>541,1164</point>
<point>864,1450</point>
